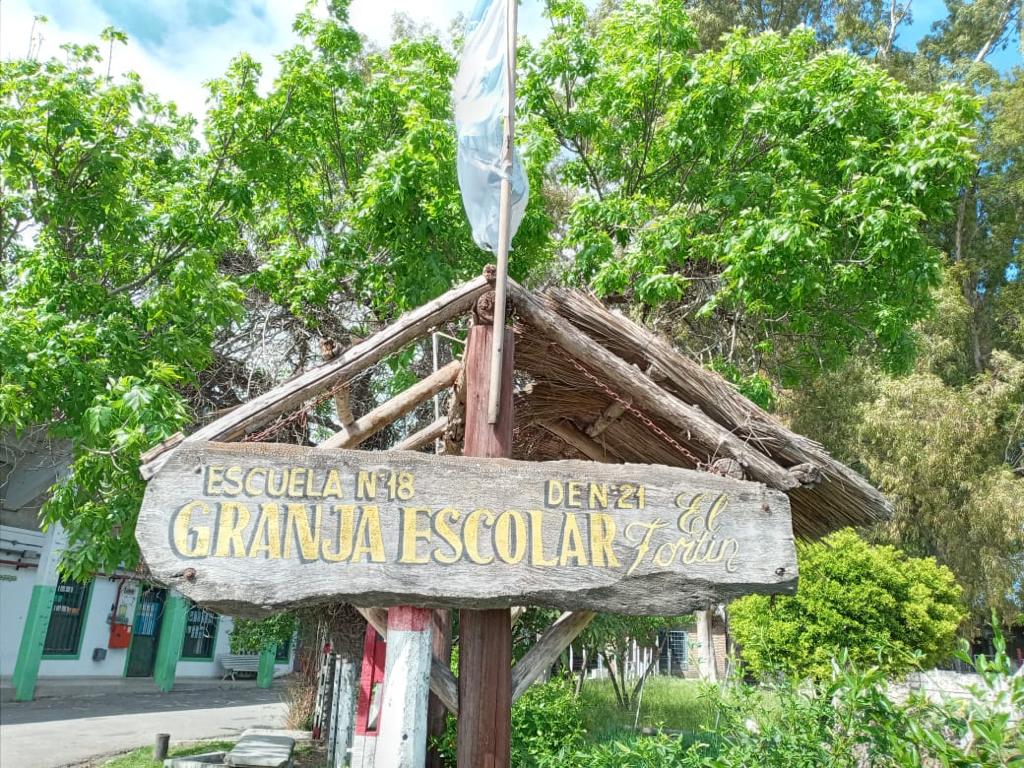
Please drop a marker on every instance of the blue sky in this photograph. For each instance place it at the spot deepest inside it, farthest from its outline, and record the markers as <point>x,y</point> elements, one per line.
<point>177,45</point>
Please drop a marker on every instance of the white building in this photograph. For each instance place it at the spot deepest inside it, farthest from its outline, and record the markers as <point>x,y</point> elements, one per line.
<point>111,627</point>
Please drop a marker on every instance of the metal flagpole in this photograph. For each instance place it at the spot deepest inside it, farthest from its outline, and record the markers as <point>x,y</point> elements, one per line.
<point>505,215</point>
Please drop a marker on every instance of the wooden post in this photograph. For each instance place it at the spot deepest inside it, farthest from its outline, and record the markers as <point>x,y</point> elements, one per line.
<point>172,637</point>
<point>437,713</point>
<point>403,712</point>
<point>346,711</point>
<point>485,637</point>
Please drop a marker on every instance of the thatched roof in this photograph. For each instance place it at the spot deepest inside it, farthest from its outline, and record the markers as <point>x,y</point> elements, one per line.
<point>589,384</point>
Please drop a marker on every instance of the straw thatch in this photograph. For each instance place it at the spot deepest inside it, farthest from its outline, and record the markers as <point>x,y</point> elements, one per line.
<point>829,495</point>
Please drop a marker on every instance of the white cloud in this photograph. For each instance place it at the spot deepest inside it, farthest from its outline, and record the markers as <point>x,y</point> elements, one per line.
<point>185,56</point>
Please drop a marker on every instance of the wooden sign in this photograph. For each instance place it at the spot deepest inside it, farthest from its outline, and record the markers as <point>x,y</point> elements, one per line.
<point>244,528</point>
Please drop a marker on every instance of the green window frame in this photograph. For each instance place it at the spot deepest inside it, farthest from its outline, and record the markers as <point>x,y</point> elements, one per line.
<point>68,617</point>
<point>200,639</point>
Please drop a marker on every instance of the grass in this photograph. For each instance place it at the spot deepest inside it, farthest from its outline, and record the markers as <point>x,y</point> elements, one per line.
<point>668,703</point>
<point>143,756</point>
<point>306,756</point>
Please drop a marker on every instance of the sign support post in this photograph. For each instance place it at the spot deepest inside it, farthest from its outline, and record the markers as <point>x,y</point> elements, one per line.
<point>403,712</point>
<point>485,637</point>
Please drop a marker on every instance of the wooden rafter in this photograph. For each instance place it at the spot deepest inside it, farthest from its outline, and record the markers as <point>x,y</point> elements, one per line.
<point>380,417</point>
<point>408,328</point>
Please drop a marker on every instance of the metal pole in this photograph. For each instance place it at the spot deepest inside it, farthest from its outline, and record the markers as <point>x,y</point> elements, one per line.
<point>505,214</point>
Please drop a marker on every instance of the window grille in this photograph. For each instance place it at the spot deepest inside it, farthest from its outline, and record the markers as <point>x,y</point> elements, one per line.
<point>200,634</point>
<point>67,619</point>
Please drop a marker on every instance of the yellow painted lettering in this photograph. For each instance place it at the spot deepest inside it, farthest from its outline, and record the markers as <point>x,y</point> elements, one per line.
<point>214,477</point>
<point>266,537</point>
<point>553,493</point>
<point>346,523</point>
<point>598,496</point>
<point>273,488</point>
<point>190,539</point>
<point>233,481</point>
<point>471,534</point>
<point>297,527</point>
<point>412,535</point>
<point>510,536</point>
<point>537,540</point>
<point>366,485</point>
<point>332,485</point>
<point>232,521</point>
<point>602,534</point>
<point>250,488</point>
<point>572,547</point>
<point>368,536</point>
<point>443,522</point>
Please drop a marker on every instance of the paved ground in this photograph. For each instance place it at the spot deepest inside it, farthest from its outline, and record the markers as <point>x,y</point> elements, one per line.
<point>69,729</point>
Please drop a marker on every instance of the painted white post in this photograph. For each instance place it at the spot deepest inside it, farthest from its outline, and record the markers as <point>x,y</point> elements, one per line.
<point>332,715</point>
<point>403,713</point>
<point>346,711</point>
<point>708,669</point>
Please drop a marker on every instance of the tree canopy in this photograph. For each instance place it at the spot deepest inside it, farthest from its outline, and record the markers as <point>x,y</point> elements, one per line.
<point>831,220</point>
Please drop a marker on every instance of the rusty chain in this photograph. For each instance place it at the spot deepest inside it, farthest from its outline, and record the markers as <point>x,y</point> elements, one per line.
<point>640,415</point>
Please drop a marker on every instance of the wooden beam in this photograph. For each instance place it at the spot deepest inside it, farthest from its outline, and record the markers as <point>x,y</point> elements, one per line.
<point>648,396</point>
<point>546,651</point>
<point>410,327</point>
<point>367,426</point>
<point>418,439</point>
<point>442,682</point>
<point>485,637</point>
<point>569,434</point>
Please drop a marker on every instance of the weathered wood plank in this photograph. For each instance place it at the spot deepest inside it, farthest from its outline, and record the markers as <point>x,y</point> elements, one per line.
<point>248,528</point>
<point>411,326</point>
<point>547,649</point>
<point>367,426</point>
<point>646,394</point>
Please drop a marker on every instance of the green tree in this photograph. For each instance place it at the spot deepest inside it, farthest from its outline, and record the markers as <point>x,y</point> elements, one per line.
<point>768,197</point>
<point>873,603</point>
<point>110,293</point>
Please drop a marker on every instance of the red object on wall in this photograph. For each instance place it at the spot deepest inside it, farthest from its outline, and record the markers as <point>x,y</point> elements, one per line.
<point>120,636</point>
<point>371,683</point>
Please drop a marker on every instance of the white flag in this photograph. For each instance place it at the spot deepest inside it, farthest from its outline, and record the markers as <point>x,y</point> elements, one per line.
<point>481,98</point>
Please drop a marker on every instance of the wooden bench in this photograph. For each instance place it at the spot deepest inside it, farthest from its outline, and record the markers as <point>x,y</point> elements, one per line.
<point>233,663</point>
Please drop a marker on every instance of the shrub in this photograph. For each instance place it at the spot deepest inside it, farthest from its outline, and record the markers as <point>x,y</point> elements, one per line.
<point>546,721</point>
<point>874,602</point>
<point>848,720</point>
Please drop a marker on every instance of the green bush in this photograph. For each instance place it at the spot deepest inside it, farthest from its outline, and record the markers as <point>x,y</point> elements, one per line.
<point>546,721</point>
<point>253,635</point>
<point>848,720</point>
<point>873,602</point>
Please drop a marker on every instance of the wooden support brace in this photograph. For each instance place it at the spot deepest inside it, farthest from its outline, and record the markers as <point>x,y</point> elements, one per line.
<point>546,651</point>
<point>569,434</point>
<point>428,434</point>
<point>395,408</point>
